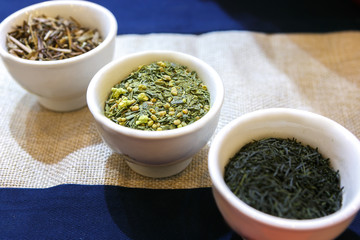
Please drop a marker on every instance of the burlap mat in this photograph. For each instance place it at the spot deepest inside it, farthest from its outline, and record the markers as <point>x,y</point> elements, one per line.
<point>315,72</point>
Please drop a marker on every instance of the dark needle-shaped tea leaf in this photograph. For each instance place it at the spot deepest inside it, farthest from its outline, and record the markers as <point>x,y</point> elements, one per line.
<point>284,178</point>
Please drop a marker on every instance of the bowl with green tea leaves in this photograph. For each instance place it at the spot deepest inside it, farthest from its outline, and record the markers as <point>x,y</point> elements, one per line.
<point>52,49</point>
<point>283,173</point>
<point>156,108</point>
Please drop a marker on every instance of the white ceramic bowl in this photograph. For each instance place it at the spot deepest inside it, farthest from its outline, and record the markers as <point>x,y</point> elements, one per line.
<point>153,153</point>
<point>61,85</point>
<point>332,140</point>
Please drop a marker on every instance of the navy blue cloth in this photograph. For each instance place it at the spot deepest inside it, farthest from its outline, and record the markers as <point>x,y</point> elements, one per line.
<point>200,16</point>
<point>109,212</point>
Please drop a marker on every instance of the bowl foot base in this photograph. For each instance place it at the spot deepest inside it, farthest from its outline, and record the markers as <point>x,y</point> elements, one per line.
<point>63,105</point>
<point>159,171</point>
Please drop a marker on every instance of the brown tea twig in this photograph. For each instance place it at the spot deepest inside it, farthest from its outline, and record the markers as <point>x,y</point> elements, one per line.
<point>19,44</point>
<point>47,38</point>
<point>60,49</point>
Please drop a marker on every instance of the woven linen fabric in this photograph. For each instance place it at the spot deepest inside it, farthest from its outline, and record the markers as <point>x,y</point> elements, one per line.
<point>315,72</point>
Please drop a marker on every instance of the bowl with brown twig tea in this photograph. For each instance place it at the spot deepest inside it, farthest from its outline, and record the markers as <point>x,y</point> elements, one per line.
<point>52,49</point>
<point>156,108</point>
<point>284,173</point>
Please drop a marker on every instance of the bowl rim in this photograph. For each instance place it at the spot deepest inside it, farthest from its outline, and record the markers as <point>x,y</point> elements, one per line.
<point>100,117</point>
<point>219,184</point>
<point>112,22</point>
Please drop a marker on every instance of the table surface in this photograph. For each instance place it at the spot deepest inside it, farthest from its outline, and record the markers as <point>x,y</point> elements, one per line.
<point>60,181</point>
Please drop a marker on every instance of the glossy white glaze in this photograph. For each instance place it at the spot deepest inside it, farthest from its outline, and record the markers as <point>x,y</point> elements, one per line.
<point>61,85</point>
<point>152,153</point>
<point>332,140</point>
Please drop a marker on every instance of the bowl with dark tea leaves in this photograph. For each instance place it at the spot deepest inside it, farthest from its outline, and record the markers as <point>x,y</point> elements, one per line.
<point>156,108</point>
<point>286,174</point>
<point>53,49</point>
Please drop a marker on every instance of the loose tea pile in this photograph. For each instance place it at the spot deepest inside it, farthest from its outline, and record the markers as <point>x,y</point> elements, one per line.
<point>44,38</point>
<point>284,178</point>
<point>159,96</point>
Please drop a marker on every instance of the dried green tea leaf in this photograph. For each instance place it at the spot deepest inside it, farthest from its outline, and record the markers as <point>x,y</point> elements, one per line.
<point>159,96</point>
